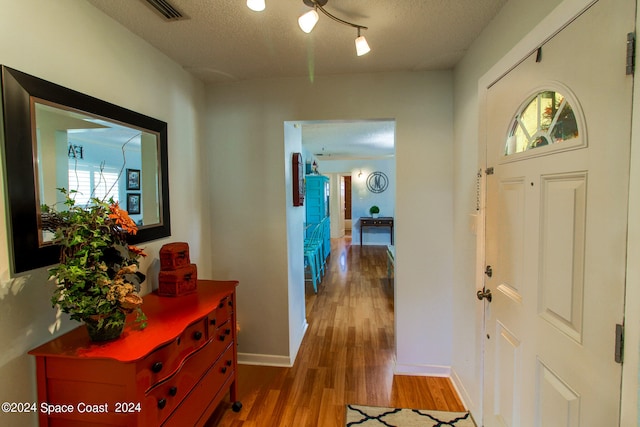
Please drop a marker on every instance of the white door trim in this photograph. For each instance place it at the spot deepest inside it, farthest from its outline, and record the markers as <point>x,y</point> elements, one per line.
<point>630,388</point>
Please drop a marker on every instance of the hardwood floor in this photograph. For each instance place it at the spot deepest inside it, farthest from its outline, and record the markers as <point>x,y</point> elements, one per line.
<point>346,357</point>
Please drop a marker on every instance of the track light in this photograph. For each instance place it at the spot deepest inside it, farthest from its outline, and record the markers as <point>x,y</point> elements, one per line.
<point>308,20</point>
<point>362,47</point>
<point>257,5</point>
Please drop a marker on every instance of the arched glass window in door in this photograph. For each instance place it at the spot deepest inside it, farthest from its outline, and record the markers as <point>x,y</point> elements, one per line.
<point>545,120</point>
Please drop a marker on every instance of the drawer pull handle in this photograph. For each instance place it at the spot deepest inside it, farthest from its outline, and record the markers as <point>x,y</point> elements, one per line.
<point>222,337</point>
<point>213,322</point>
<point>173,391</point>
<point>221,304</point>
<point>229,362</point>
<point>197,335</point>
<point>156,367</point>
<point>230,303</point>
<point>162,403</point>
<point>223,370</point>
<point>227,331</point>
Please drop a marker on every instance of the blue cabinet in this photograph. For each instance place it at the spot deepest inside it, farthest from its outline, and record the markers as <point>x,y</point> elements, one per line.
<point>317,207</point>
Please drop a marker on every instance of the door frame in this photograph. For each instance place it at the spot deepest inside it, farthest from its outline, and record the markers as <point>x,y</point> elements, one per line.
<point>336,204</point>
<point>559,18</point>
<point>630,369</point>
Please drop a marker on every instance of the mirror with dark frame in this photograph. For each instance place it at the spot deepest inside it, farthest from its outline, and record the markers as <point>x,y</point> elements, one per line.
<point>55,137</point>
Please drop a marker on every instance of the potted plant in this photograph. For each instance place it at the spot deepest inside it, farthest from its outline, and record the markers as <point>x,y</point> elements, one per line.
<point>374,211</point>
<point>97,280</point>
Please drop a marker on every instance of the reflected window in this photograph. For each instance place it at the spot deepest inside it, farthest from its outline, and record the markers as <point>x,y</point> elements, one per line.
<point>101,185</point>
<point>546,119</point>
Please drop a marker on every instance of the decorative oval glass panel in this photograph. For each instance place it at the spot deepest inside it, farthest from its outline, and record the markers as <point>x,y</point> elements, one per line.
<point>546,119</point>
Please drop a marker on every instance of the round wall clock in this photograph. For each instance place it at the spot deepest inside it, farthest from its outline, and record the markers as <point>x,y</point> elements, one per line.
<point>377,182</point>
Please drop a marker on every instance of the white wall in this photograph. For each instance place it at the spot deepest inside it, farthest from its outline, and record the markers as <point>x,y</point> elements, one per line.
<point>295,243</point>
<point>245,144</point>
<point>71,43</point>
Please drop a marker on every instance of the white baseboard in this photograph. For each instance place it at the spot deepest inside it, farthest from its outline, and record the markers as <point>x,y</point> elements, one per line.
<point>466,399</point>
<point>264,360</point>
<point>423,370</point>
<point>274,360</point>
<point>297,342</point>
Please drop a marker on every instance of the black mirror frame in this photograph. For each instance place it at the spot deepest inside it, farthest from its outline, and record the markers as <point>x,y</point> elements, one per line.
<point>22,216</point>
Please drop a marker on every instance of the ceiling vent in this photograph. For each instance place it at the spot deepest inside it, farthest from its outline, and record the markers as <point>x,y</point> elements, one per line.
<point>166,9</point>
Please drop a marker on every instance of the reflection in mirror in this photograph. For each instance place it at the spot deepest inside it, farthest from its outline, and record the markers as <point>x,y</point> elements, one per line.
<point>55,137</point>
<point>95,158</point>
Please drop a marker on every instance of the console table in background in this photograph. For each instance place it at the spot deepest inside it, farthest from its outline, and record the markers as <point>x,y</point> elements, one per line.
<point>383,221</point>
<point>173,373</point>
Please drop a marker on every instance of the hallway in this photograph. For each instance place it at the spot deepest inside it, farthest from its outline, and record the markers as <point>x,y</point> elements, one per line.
<point>346,357</point>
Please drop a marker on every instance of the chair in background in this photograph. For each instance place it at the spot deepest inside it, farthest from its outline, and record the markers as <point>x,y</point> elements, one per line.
<point>313,256</point>
<point>325,236</point>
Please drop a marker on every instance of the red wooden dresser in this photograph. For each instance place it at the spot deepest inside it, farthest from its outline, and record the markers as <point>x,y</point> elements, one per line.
<point>173,373</point>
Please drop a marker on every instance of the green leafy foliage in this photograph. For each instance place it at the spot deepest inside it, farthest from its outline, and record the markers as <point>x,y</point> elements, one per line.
<point>98,275</point>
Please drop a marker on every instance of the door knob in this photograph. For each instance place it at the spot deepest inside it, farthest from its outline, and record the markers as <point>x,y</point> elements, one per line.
<point>482,294</point>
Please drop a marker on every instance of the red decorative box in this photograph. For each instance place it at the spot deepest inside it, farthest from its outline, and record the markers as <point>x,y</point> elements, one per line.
<point>182,281</point>
<point>174,256</point>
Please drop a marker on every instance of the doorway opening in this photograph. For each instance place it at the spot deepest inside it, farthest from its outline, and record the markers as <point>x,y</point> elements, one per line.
<point>346,194</point>
<point>346,152</point>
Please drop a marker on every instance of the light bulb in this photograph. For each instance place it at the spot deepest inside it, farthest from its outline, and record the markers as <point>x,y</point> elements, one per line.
<point>308,21</point>
<point>257,5</point>
<point>362,47</point>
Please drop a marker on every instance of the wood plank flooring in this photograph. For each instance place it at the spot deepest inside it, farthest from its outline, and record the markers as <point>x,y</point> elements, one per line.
<point>346,357</point>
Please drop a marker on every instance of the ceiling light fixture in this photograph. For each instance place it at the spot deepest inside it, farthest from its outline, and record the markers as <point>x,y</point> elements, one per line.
<point>362,47</point>
<point>308,20</point>
<point>257,5</point>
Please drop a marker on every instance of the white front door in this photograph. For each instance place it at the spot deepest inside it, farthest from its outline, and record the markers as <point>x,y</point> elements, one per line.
<point>558,138</point>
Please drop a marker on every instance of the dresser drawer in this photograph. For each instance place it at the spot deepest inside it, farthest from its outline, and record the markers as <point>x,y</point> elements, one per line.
<point>164,361</point>
<point>191,409</point>
<point>223,312</point>
<point>163,398</point>
<point>222,335</point>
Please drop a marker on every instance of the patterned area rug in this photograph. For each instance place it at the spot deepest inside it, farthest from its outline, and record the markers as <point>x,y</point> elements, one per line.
<point>395,417</point>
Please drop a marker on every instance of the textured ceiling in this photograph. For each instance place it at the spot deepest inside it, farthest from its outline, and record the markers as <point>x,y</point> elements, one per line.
<point>340,140</point>
<point>223,40</point>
